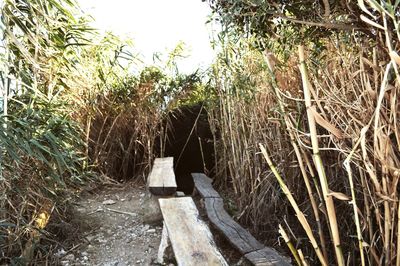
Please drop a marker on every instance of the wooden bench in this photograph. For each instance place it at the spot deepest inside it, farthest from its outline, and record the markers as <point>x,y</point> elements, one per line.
<point>191,239</point>
<point>255,252</point>
<point>161,180</point>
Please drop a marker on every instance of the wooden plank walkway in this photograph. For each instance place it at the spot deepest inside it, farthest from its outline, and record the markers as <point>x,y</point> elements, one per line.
<point>240,238</point>
<point>190,237</point>
<point>162,177</point>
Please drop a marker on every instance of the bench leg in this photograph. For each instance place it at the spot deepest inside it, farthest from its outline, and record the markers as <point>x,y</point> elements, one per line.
<point>163,245</point>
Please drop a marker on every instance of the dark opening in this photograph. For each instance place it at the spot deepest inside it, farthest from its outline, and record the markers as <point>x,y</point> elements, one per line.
<point>189,141</point>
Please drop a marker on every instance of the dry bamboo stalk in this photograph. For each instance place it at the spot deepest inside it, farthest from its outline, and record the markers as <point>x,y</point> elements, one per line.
<point>386,224</point>
<point>87,136</point>
<point>390,47</point>
<point>375,61</point>
<point>289,243</point>
<point>330,207</point>
<point>367,210</point>
<point>312,200</point>
<point>354,203</point>
<point>300,215</point>
<point>289,126</point>
<point>303,260</point>
<point>367,163</point>
<point>389,224</point>
<point>379,105</point>
<point>312,173</point>
<point>393,232</point>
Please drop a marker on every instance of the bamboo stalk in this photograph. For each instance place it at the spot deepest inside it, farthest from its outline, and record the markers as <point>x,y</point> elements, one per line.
<point>367,209</point>
<point>386,224</point>
<point>300,215</point>
<point>303,260</point>
<point>87,137</point>
<point>289,243</point>
<point>289,126</point>
<point>354,203</point>
<point>330,207</point>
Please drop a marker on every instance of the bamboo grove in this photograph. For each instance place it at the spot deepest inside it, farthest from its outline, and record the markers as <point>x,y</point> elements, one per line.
<point>309,127</point>
<point>78,108</point>
<point>302,101</point>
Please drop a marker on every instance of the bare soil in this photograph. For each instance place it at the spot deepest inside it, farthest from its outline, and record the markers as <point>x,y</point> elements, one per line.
<point>117,234</point>
<point>121,225</point>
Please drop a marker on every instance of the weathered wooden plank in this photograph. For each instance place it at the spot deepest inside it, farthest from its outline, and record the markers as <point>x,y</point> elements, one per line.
<point>190,237</point>
<point>241,239</point>
<point>163,245</point>
<point>236,235</point>
<point>267,257</point>
<point>204,186</point>
<point>162,177</point>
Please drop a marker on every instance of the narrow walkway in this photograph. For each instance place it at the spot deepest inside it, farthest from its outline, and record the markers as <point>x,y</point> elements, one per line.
<point>118,234</point>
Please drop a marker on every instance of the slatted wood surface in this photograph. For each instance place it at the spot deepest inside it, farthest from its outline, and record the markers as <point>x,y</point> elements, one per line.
<point>190,237</point>
<point>162,177</point>
<point>241,239</point>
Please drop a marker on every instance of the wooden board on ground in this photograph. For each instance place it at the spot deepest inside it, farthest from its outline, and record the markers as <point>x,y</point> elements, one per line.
<point>240,238</point>
<point>236,235</point>
<point>266,257</point>
<point>162,177</point>
<point>190,237</point>
<point>204,186</point>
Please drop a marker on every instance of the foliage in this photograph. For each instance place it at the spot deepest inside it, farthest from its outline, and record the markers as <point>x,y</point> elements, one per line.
<point>133,113</point>
<point>289,23</point>
<point>50,141</point>
<point>73,102</point>
<point>42,150</point>
<point>245,114</point>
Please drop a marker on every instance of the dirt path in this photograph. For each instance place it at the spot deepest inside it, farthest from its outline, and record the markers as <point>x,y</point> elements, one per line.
<point>118,235</point>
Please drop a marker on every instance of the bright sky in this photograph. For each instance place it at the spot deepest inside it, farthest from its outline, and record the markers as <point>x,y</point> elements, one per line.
<point>158,26</point>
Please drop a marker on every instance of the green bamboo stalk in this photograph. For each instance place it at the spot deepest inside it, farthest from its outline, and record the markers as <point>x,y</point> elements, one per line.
<point>289,128</point>
<point>330,207</point>
<point>290,245</point>
<point>300,215</point>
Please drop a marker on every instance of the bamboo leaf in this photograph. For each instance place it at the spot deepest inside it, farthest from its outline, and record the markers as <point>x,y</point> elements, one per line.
<point>325,124</point>
<point>372,23</point>
<point>339,196</point>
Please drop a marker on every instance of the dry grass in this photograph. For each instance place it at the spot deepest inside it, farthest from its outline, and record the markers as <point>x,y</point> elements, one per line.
<point>239,124</point>
<point>332,147</point>
<point>122,144</point>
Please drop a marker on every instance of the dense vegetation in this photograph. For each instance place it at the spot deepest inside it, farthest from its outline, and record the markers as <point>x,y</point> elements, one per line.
<point>302,102</point>
<point>77,107</point>
<point>308,114</point>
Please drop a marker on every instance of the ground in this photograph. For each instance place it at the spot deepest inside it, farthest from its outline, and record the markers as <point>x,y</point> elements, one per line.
<point>117,233</point>
<point>121,225</point>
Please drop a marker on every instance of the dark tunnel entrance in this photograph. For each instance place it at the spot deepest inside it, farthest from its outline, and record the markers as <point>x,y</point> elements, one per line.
<point>190,142</point>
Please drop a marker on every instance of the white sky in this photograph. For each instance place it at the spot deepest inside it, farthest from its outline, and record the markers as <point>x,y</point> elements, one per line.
<point>158,26</point>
